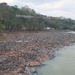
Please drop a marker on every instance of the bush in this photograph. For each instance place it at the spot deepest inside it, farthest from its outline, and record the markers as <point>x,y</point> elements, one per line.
<point>2,26</point>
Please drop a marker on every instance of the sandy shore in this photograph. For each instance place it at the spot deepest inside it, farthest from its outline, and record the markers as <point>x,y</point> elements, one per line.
<point>22,49</point>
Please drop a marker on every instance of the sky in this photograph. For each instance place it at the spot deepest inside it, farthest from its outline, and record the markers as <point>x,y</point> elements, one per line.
<point>55,8</point>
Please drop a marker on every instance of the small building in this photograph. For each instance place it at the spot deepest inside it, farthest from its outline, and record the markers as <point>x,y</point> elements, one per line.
<point>48,28</point>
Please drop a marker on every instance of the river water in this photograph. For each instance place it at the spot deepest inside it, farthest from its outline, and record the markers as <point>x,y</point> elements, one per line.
<point>62,64</point>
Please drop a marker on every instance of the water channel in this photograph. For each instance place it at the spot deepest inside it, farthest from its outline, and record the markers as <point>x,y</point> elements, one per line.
<point>62,64</point>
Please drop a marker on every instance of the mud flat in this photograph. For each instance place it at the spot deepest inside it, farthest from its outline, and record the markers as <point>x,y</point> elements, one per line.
<point>28,49</point>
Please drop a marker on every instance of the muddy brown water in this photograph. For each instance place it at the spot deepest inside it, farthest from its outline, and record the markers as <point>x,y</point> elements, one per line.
<point>62,64</point>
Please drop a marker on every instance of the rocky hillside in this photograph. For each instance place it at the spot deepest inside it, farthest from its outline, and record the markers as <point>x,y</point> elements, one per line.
<point>26,49</point>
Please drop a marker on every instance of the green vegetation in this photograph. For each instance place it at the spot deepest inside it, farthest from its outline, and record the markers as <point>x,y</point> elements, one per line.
<point>2,26</point>
<point>9,21</point>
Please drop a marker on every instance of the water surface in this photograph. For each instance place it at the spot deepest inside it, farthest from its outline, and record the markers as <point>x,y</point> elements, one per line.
<point>62,64</point>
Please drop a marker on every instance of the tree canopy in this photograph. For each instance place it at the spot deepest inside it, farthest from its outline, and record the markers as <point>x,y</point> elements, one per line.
<point>8,13</point>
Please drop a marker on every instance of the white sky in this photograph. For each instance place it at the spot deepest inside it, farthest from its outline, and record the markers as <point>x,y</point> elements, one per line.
<point>54,8</point>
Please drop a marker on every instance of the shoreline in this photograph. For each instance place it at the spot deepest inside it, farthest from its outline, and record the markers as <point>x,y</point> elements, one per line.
<point>34,48</point>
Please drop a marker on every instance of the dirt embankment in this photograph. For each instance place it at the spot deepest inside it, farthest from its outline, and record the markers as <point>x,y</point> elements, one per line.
<point>18,49</point>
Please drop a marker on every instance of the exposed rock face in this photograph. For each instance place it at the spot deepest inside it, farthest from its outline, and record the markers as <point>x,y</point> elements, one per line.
<point>33,63</point>
<point>30,49</point>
